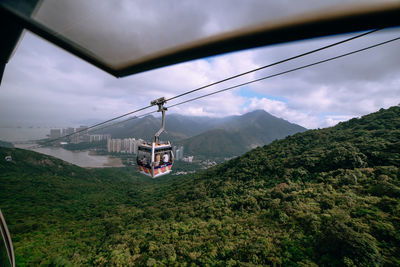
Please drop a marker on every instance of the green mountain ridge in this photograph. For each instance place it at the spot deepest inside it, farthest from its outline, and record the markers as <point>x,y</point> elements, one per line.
<point>327,197</point>
<point>238,134</point>
<point>212,137</point>
<point>215,143</point>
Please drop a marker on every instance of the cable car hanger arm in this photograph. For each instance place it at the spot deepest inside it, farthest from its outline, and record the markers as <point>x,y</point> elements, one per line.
<point>160,103</point>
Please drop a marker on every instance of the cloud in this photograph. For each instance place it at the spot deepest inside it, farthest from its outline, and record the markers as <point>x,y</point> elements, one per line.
<point>44,84</point>
<point>282,110</point>
<point>332,120</point>
<point>351,86</point>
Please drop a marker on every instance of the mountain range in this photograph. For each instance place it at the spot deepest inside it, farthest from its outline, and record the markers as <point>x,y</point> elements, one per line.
<point>211,137</point>
<point>328,197</point>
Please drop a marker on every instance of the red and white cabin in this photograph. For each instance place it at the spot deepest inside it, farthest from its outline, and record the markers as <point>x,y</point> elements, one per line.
<point>155,159</point>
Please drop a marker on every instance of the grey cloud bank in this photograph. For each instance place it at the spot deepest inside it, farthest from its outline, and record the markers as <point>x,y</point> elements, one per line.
<point>43,84</point>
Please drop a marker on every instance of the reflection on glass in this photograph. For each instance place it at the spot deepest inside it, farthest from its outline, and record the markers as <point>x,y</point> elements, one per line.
<point>119,32</point>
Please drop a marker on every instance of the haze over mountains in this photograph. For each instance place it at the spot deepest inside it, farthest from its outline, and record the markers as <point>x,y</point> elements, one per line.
<point>215,137</point>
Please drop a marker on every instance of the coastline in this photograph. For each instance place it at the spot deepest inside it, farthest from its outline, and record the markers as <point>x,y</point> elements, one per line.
<point>83,158</point>
<point>114,162</point>
<point>111,161</point>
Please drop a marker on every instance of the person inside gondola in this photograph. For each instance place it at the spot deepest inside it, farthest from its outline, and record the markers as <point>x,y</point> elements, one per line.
<point>144,161</point>
<point>158,159</point>
<point>165,158</point>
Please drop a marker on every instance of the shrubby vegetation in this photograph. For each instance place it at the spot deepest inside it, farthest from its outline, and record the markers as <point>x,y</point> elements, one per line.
<point>323,197</point>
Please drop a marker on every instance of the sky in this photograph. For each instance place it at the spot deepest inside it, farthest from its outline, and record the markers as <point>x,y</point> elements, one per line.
<point>44,85</point>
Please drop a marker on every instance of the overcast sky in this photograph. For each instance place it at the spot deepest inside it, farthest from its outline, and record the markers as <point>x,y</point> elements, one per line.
<point>44,85</point>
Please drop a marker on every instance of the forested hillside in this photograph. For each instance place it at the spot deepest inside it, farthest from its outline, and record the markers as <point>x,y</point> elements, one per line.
<point>238,134</point>
<point>324,197</point>
<point>217,143</point>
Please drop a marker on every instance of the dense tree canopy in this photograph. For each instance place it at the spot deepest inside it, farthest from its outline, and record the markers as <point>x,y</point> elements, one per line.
<point>323,197</point>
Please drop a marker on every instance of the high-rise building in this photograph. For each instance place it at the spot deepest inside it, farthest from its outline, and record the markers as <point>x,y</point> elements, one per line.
<point>178,153</point>
<point>109,145</point>
<point>134,145</point>
<point>94,137</point>
<point>85,138</point>
<point>174,151</point>
<point>82,134</point>
<point>99,137</point>
<point>126,145</point>
<point>74,138</point>
<point>55,133</point>
<point>82,129</point>
<point>129,145</point>
<point>114,145</point>
<point>188,159</point>
<point>69,130</point>
<point>117,145</point>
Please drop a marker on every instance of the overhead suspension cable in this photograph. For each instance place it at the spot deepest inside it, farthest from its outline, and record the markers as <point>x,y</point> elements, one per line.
<point>224,80</point>
<point>242,74</point>
<point>104,123</point>
<point>285,72</point>
<point>97,129</point>
<point>274,64</point>
<point>126,120</point>
<point>256,80</point>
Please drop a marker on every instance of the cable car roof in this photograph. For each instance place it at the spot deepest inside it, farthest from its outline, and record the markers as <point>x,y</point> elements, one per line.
<point>157,146</point>
<point>127,37</point>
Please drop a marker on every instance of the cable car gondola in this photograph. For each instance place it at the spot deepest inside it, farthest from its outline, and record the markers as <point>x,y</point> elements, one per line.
<point>156,158</point>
